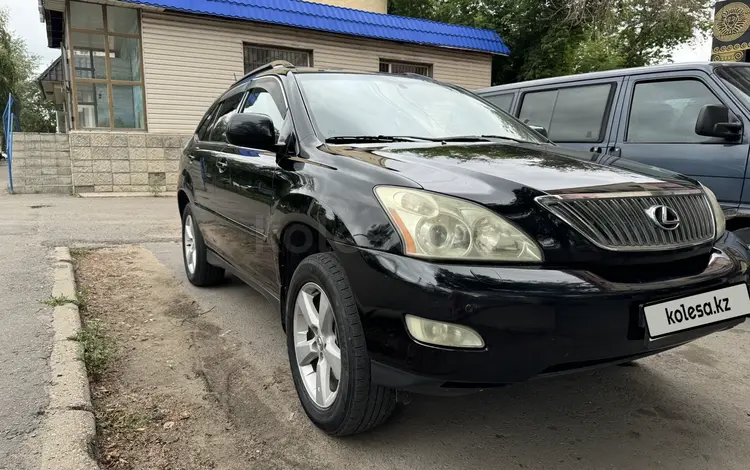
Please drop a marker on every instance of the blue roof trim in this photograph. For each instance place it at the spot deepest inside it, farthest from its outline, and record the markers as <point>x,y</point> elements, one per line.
<point>341,20</point>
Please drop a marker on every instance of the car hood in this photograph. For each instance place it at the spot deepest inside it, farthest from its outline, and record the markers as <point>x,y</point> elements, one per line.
<point>490,172</point>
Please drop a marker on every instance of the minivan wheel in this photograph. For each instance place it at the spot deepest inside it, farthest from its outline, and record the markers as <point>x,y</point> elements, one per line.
<point>197,269</point>
<point>327,352</point>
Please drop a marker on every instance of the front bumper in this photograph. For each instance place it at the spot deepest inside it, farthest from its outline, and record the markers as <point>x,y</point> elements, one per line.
<point>534,321</point>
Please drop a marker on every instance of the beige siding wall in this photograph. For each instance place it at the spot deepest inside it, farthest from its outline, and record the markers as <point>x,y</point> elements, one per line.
<point>190,61</point>
<point>378,6</point>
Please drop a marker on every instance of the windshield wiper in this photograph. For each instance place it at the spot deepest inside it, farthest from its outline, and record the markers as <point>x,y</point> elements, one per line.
<point>374,138</point>
<point>474,138</point>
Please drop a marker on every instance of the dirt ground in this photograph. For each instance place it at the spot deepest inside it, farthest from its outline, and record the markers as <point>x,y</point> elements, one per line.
<point>163,402</point>
<point>202,380</point>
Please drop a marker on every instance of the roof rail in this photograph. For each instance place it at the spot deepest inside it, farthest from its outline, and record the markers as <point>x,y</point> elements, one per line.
<point>276,64</point>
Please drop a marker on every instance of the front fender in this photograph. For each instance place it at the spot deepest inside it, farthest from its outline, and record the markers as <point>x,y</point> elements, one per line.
<point>346,220</point>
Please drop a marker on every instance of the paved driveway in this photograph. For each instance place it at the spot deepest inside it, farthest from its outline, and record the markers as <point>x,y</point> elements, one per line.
<point>29,226</point>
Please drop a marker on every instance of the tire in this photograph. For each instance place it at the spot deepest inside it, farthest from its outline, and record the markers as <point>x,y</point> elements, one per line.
<point>357,404</point>
<point>202,274</point>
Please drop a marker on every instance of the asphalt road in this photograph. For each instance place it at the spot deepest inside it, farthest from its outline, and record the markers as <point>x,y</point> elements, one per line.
<point>685,409</point>
<point>30,226</point>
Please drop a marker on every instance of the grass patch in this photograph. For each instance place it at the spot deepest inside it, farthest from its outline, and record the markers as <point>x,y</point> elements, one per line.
<point>56,301</point>
<point>82,298</point>
<point>80,252</point>
<point>98,351</point>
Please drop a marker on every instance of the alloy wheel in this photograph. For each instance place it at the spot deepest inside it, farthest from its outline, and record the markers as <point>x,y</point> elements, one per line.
<point>316,345</point>
<point>189,244</point>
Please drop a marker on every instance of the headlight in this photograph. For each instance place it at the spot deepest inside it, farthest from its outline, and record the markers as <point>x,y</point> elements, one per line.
<point>721,222</point>
<point>443,334</point>
<point>436,226</point>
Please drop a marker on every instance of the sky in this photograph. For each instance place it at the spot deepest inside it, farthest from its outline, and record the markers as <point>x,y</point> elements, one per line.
<point>24,19</point>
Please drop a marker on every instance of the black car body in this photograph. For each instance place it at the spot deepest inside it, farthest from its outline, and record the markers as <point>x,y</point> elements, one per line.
<point>266,198</point>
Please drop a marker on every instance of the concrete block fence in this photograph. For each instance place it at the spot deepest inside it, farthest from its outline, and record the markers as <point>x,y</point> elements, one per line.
<point>41,163</point>
<point>91,161</point>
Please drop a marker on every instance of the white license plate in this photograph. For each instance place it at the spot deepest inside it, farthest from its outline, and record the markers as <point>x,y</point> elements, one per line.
<point>697,310</point>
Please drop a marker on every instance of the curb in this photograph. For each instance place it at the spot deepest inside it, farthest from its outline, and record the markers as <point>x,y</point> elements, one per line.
<point>68,429</point>
<point>132,194</point>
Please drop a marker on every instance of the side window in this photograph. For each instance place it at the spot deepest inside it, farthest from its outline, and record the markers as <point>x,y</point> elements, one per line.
<point>267,98</point>
<point>536,108</point>
<point>580,114</point>
<point>575,114</point>
<point>225,107</point>
<point>666,111</point>
<point>208,119</point>
<point>501,101</point>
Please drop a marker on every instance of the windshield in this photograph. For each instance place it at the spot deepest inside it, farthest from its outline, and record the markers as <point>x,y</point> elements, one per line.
<point>348,104</point>
<point>738,80</point>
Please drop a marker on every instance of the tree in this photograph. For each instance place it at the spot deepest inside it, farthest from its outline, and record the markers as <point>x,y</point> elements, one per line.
<point>17,68</point>
<point>557,37</point>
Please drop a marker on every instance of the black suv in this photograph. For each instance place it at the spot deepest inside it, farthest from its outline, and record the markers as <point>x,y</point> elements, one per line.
<point>415,237</point>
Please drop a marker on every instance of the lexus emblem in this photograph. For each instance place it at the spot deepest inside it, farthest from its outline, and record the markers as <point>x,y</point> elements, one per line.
<point>664,217</point>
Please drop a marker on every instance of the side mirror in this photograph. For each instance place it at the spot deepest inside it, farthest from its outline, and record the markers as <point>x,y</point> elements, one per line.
<point>714,121</point>
<point>251,130</point>
<point>540,130</point>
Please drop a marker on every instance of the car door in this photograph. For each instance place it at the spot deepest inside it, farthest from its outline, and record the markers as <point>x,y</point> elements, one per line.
<point>201,181</point>
<point>576,115</point>
<point>657,127</point>
<point>209,161</point>
<point>250,193</point>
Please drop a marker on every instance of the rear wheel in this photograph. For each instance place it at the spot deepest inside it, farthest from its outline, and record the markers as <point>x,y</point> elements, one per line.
<point>327,352</point>
<point>197,269</point>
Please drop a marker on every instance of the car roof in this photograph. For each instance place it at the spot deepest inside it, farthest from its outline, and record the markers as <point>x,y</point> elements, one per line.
<point>705,66</point>
<point>269,70</point>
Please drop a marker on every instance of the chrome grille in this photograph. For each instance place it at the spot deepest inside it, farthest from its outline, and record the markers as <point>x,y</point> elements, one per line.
<point>620,222</point>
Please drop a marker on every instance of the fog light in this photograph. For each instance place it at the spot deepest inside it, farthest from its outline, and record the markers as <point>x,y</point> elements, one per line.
<point>443,334</point>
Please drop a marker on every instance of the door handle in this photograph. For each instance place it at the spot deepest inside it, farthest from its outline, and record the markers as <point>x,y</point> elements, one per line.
<point>595,150</point>
<point>222,164</point>
<point>614,151</point>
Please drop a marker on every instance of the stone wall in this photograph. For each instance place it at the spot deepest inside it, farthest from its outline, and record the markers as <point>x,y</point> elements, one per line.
<point>96,161</point>
<point>41,163</point>
<point>125,161</point>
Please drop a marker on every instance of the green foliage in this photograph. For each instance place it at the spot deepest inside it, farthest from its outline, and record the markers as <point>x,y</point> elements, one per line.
<point>98,352</point>
<point>17,76</point>
<point>558,37</point>
<point>56,301</point>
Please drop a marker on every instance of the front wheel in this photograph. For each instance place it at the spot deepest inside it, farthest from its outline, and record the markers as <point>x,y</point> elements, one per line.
<point>327,352</point>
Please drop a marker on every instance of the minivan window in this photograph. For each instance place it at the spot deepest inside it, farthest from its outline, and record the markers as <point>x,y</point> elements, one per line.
<point>666,111</point>
<point>349,104</point>
<point>738,80</point>
<point>501,101</point>
<point>574,114</point>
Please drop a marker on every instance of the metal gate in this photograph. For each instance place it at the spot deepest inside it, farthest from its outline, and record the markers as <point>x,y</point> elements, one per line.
<point>9,125</point>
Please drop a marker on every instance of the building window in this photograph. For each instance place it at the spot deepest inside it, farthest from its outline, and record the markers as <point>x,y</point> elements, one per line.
<point>105,48</point>
<point>257,56</point>
<point>389,66</point>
